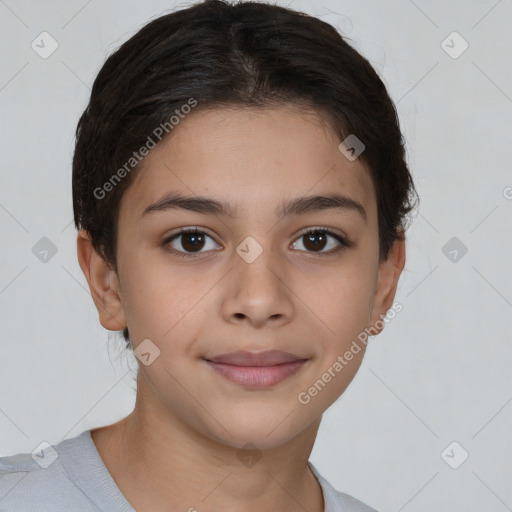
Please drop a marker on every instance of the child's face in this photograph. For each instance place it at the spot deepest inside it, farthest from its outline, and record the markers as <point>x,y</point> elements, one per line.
<point>298,297</point>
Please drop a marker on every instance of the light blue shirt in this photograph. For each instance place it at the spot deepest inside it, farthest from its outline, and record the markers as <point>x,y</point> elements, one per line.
<point>72,477</point>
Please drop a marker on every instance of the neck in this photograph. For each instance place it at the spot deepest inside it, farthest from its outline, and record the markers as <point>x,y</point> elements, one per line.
<point>160,463</point>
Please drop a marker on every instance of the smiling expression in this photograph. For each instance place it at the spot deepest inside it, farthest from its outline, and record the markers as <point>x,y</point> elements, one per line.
<point>281,254</point>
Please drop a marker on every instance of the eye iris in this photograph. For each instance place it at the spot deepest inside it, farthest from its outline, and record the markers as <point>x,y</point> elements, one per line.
<point>318,238</point>
<point>196,241</point>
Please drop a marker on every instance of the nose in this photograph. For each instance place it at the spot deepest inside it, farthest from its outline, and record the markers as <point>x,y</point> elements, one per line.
<point>258,292</point>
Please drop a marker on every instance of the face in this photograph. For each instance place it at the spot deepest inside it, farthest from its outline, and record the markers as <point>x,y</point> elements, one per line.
<point>269,273</point>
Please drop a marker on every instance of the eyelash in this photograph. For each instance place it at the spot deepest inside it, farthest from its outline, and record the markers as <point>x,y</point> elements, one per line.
<point>344,243</point>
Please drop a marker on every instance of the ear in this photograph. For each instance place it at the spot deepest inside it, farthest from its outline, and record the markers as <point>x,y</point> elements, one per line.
<point>103,284</point>
<point>387,281</point>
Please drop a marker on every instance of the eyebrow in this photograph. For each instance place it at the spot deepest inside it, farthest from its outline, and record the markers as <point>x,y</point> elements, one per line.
<point>298,206</point>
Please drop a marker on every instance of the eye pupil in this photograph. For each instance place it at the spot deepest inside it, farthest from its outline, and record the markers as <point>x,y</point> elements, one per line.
<point>196,241</point>
<point>318,240</point>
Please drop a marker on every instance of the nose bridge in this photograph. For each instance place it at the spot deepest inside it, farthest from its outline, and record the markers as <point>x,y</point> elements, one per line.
<point>257,290</point>
<point>258,263</point>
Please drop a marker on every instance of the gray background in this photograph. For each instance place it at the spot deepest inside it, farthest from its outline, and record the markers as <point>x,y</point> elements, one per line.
<point>440,371</point>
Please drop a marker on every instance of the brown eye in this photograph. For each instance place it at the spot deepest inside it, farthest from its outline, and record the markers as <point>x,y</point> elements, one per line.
<point>316,240</point>
<point>188,241</point>
<point>192,241</point>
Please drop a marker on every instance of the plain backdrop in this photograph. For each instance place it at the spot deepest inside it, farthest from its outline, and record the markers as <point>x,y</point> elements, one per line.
<point>441,370</point>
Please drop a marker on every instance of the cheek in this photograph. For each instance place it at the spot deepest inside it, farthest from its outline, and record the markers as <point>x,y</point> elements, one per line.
<point>343,299</point>
<point>161,300</point>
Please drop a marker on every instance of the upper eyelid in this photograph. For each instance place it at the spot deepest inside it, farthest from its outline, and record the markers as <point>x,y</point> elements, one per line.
<point>189,229</point>
<point>323,228</point>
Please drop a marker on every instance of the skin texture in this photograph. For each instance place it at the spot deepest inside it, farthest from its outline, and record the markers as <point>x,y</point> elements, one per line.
<point>181,445</point>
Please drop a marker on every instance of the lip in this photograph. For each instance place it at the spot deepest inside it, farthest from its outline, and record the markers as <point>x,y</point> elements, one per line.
<point>253,358</point>
<point>256,369</point>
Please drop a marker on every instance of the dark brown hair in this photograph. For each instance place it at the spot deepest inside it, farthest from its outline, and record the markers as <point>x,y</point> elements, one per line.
<point>219,54</point>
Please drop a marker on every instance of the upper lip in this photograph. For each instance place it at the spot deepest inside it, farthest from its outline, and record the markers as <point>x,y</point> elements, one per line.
<point>265,358</point>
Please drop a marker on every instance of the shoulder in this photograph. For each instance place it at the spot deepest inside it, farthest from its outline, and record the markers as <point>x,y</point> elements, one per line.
<point>350,504</point>
<point>336,501</point>
<point>40,480</point>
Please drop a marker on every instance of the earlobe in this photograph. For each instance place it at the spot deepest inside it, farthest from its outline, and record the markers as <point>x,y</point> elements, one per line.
<point>103,284</point>
<point>387,282</point>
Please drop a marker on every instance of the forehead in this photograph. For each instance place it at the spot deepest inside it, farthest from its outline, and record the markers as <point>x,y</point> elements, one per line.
<point>252,158</point>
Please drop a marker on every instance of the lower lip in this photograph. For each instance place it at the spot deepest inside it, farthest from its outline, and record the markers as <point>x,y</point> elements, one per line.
<point>257,376</point>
